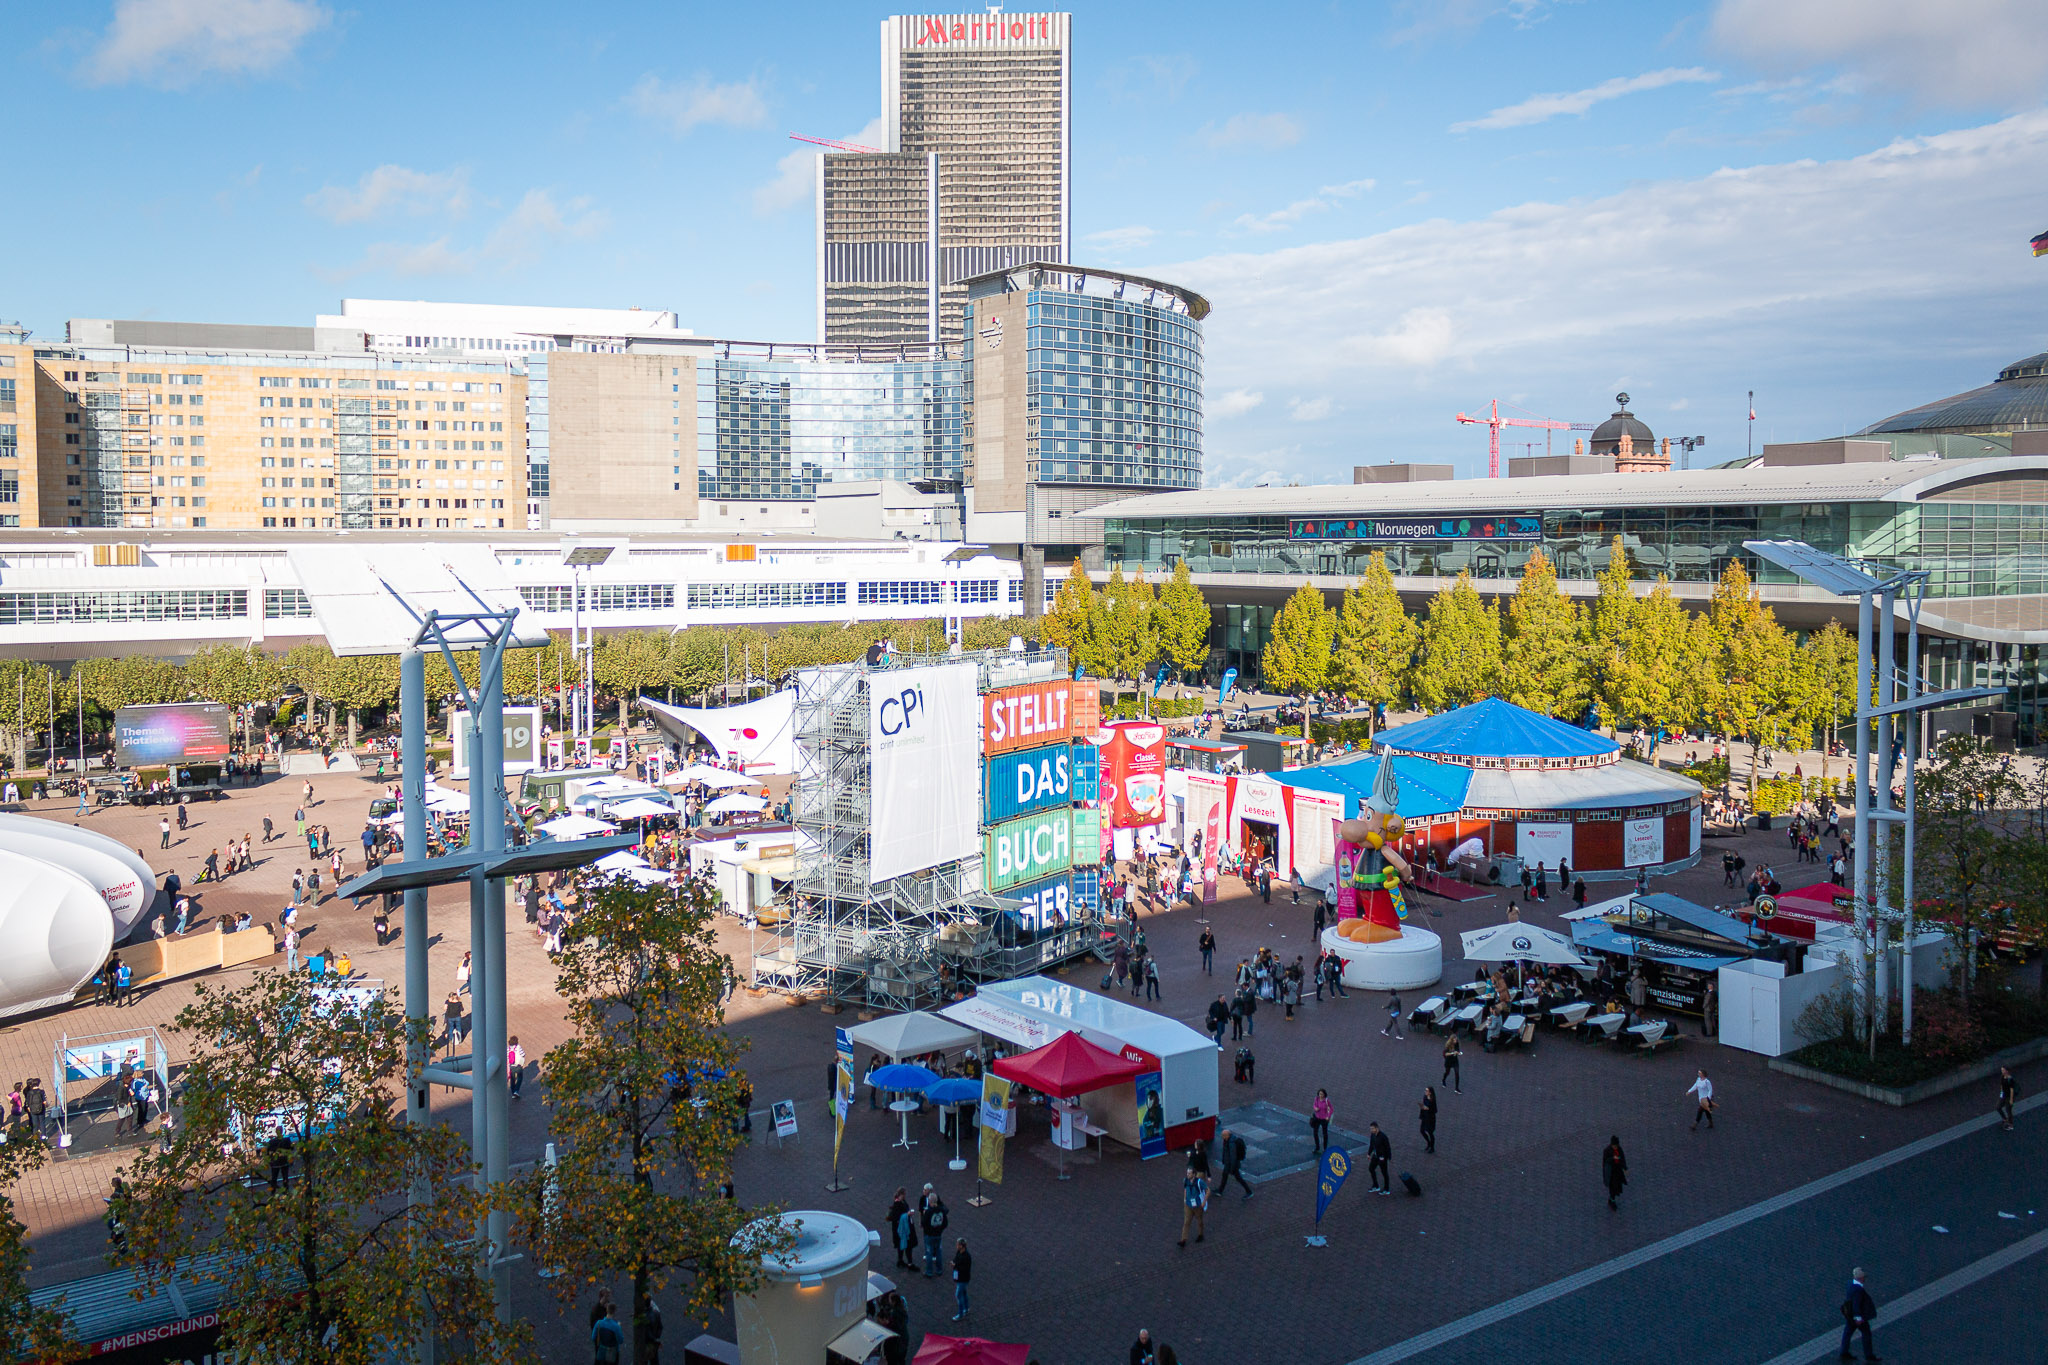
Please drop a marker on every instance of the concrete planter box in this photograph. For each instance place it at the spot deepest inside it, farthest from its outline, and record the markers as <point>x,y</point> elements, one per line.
<point>1920,1090</point>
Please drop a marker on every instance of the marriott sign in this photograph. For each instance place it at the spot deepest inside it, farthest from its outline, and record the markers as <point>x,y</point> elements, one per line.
<point>966,30</point>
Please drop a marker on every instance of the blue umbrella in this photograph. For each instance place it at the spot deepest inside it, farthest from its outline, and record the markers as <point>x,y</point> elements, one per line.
<point>955,1090</point>
<point>901,1076</point>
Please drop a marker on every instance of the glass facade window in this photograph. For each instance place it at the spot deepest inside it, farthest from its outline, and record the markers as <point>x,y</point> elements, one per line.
<point>977,590</point>
<point>50,608</point>
<point>1016,593</point>
<point>774,430</point>
<point>748,596</point>
<point>901,594</point>
<point>1113,392</point>
<point>600,597</point>
<point>281,604</point>
<point>1972,549</point>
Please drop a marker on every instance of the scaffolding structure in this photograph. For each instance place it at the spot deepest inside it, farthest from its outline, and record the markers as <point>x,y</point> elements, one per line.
<point>882,946</point>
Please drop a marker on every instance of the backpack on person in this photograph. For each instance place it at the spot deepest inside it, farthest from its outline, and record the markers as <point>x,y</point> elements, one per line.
<point>607,1338</point>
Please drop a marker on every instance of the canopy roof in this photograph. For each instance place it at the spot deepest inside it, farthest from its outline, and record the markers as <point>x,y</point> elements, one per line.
<point>1068,1065</point>
<point>1495,729</point>
<point>1427,787</point>
<point>1817,900</point>
<point>1621,783</point>
<point>911,1035</point>
<point>761,733</point>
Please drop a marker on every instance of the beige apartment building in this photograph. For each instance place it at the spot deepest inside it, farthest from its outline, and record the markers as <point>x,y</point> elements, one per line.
<point>620,436</point>
<point>17,428</point>
<point>212,438</point>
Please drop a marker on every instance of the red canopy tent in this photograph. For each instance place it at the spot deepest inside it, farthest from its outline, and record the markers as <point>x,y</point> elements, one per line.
<point>1067,1066</point>
<point>1818,899</point>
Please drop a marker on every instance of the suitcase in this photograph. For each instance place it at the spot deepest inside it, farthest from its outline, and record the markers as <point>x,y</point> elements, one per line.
<point>1411,1184</point>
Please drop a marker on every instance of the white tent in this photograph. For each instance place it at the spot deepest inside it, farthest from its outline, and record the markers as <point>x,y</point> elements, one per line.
<point>709,776</point>
<point>639,808</point>
<point>1519,942</point>
<point>575,827</point>
<point>116,871</point>
<point>762,734</point>
<point>447,802</point>
<point>56,930</point>
<point>912,1035</point>
<point>736,805</point>
<point>622,861</point>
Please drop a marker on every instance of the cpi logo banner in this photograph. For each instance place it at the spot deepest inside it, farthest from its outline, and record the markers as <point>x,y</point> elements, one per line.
<point>927,776</point>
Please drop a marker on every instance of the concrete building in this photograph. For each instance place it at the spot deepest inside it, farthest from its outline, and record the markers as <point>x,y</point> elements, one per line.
<point>185,431</point>
<point>975,173</point>
<point>486,330</point>
<point>19,483</point>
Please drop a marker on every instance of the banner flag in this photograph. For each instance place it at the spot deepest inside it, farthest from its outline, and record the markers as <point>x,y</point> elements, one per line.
<point>995,1119</point>
<point>1336,1166</point>
<point>842,1098</point>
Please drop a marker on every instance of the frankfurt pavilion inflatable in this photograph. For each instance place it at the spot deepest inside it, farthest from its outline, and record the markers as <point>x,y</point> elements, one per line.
<point>56,931</point>
<point>112,868</point>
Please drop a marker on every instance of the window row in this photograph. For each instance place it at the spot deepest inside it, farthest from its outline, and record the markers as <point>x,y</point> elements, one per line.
<point>193,604</point>
<point>750,596</point>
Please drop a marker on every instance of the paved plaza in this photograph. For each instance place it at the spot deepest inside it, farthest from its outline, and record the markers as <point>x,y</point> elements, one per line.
<point>1512,1211</point>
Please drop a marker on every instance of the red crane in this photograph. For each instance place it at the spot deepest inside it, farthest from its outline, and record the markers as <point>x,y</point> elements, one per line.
<point>1493,422</point>
<point>835,146</point>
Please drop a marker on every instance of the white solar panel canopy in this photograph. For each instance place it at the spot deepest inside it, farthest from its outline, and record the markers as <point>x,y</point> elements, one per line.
<point>373,598</point>
<point>1818,567</point>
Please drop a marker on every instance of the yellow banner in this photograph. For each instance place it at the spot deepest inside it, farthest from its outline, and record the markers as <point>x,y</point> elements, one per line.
<point>995,1111</point>
<point>841,1104</point>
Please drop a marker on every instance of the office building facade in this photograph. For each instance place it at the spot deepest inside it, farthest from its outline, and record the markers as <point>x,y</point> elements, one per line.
<point>975,174</point>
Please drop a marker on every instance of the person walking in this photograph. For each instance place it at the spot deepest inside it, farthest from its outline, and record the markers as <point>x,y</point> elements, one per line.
<point>515,1064</point>
<point>2008,1091</point>
<point>606,1336</point>
<point>1859,1310</point>
<point>1218,1020</point>
<point>163,827</point>
<point>1542,883</point>
<point>1232,1149</point>
<point>1142,1350</point>
<point>1429,1120</point>
<point>932,1218</point>
<point>266,829</point>
<point>963,1272</point>
<point>1207,943</point>
<point>1454,1053</point>
<point>1379,1156</point>
<point>898,1206</point>
<point>1194,1198</point>
<point>1393,1028</point>
<point>1703,1090</point>
<point>452,1010</point>
<point>124,978</point>
<point>1613,1171</point>
<point>1320,1112</point>
<point>1528,883</point>
<point>1151,978</point>
<point>462,971</point>
<point>1236,1016</point>
<point>907,1238</point>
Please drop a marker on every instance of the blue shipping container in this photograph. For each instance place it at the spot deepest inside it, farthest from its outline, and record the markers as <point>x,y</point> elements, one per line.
<point>1087,772</point>
<point>1031,780</point>
<point>1046,904</point>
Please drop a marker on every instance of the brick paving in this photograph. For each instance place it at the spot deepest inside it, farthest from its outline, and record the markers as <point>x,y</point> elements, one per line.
<point>1077,1266</point>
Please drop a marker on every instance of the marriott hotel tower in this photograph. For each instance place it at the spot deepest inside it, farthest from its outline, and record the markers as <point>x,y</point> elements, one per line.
<point>974,175</point>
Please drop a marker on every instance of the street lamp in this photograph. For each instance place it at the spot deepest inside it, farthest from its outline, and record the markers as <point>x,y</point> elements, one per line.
<point>1901,696</point>
<point>578,557</point>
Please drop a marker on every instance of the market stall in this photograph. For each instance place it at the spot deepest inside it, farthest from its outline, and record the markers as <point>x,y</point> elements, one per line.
<point>1679,946</point>
<point>1178,1084</point>
<point>917,1033</point>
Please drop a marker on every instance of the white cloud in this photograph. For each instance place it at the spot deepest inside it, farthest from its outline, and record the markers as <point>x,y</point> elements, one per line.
<point>1310,409</point>
<point>1279,219</point>
<point>1233,402</point>
<point>1133,238</point>
<point>173,43</point>
<point>1265,132</point>
<point>393,189</point>
<point>682,107</point>
<point>403,260</point>
<point>1226,469</point>
<point>1832,280</point>
<point>538,221</point>
<point>1541,108</point>
<point>1958,53</point>
<point>796,173</point>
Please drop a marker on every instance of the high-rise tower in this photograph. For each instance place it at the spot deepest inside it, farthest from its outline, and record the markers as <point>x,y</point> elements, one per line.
<point>974,175</point>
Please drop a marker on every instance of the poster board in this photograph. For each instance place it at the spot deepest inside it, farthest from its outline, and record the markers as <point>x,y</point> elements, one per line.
<point>1543,842</point>
<point>925,772</point>
<point>1642,842</point>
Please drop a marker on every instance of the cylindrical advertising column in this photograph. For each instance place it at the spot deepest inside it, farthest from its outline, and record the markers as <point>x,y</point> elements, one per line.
<point>807,1298</point>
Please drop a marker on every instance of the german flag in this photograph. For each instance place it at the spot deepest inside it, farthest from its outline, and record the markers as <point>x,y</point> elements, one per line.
<point>2040,245</point>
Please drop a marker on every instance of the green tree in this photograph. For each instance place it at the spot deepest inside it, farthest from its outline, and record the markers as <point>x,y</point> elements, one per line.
<point>647,1096</point>
<point>1543,649</point>
<point>1653,681</point>
<point>1181,621</point>
<point>26,1332</point>
<point>1828,689</point>
<point>1073,623</point>
<point>1979,855</point>
<point>1751,680</point>
<point>630,662</point>
<point>134,680</point>
<point>339,1266</point>
<point>1610,624</point>
<point>1297,657</point>
<point>1459,660</point>
<point>356,682</point>
<point>24,703</point>
<point>1375,639</point>
<point>1123,628</point>
<point>235,675</point>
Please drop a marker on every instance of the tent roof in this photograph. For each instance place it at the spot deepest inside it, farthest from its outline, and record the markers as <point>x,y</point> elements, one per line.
<point>1624,783</point>
<point>911,1035</point>
<point>761,731</point>
<point>1043,1004</point>
<point>1495,729</point>
<point>1427,787</point>
<point>1068,1065</point>
<point>1818,898</point>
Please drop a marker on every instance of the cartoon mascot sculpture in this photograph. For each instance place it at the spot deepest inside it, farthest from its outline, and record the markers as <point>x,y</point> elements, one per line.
<point>1376,876</point>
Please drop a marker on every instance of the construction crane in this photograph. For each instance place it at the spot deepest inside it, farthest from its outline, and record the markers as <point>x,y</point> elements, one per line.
<point>834,145</point>
<point>1493,422</point>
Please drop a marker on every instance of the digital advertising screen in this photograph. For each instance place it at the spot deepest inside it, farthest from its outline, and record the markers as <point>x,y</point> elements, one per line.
<point>181,732</point>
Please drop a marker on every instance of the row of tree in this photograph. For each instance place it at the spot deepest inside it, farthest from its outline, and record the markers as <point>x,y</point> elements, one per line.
<point>1128,626</point>
<point>1641,660</point>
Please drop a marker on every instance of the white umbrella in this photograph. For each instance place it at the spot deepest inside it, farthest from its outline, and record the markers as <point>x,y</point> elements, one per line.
<point>736,805</point>
<point>575,827</point>
<point>622,861</point>
<point>710,777</point>
<point>1520,943</point>
<point>447,802</point>
<point>639,808</point>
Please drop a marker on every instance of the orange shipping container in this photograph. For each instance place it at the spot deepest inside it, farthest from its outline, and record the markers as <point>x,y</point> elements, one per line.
<point>1018,717</point>
<point>1087,708</point>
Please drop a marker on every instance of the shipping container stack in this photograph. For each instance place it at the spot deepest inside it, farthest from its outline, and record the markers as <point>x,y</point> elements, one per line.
<point>1041,827</point>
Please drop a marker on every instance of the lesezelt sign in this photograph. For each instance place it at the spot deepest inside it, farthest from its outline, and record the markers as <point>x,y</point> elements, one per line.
<point>1423,529</point>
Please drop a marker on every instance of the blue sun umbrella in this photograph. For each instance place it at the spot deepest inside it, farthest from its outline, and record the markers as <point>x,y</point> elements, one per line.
<point>955,1090</point>
<point>902,1076</point>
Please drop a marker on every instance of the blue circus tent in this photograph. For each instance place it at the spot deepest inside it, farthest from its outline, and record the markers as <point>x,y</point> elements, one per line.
<point>1494,729</point>
<point>1427,788</point>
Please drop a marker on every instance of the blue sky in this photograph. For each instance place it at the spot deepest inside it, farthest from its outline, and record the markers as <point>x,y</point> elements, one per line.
<point>1399,210</point>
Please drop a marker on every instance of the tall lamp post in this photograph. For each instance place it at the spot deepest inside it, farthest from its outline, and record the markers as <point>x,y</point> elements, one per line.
<point>582,638</point>
<point>1901,698</point>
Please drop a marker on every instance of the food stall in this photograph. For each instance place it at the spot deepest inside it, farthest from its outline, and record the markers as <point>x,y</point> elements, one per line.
<point>1679,945</point>
<point>1179,1087</point>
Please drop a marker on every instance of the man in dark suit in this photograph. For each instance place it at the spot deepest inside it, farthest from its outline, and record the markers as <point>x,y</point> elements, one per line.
<point>1858,1308</point>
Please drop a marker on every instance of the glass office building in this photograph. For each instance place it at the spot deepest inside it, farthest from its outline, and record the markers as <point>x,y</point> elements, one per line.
<point>774,429</point>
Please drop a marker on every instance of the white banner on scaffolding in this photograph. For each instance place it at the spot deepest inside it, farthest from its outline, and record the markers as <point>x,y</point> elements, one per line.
<point>924,747</point>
